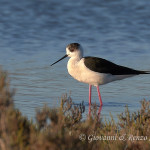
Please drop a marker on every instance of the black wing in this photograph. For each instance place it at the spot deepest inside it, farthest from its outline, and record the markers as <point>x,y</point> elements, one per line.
<point>104,66</point>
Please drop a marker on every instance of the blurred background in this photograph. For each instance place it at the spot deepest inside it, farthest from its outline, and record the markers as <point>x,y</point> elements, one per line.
<point>34,34</point>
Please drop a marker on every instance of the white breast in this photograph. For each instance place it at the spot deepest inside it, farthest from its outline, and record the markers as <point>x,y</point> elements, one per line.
<point>80,72</point>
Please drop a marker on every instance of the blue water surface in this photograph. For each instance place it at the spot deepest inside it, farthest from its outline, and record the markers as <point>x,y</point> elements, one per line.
<point>34,34</point>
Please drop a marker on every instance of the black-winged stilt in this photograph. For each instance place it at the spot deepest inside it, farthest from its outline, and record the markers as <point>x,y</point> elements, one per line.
<point>94,71</point>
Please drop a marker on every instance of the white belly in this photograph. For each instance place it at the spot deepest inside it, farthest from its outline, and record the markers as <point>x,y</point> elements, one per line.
<point>80,72</point>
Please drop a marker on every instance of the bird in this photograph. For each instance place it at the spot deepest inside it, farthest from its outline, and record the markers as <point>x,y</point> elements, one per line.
<point>93,70</point>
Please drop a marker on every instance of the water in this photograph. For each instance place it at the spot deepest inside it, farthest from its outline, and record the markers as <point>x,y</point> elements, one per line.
<point>34,34</point>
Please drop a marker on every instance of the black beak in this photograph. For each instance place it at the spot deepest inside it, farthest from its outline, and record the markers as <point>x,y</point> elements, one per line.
<point>59,60</point>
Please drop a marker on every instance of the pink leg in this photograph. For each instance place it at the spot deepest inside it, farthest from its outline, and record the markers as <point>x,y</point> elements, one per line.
<point>90,89</point>
<point>89,110</point>
<point>99,112</point>
<point>99,95</point>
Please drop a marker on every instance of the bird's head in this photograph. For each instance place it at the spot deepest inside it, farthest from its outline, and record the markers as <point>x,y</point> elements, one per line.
<point>73,50</point>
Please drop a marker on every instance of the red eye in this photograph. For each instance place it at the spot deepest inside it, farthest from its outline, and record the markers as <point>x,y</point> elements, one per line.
<point>71,49</point>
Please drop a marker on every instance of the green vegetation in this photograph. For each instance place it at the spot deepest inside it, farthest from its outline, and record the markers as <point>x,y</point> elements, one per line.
<point>64,129</point>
